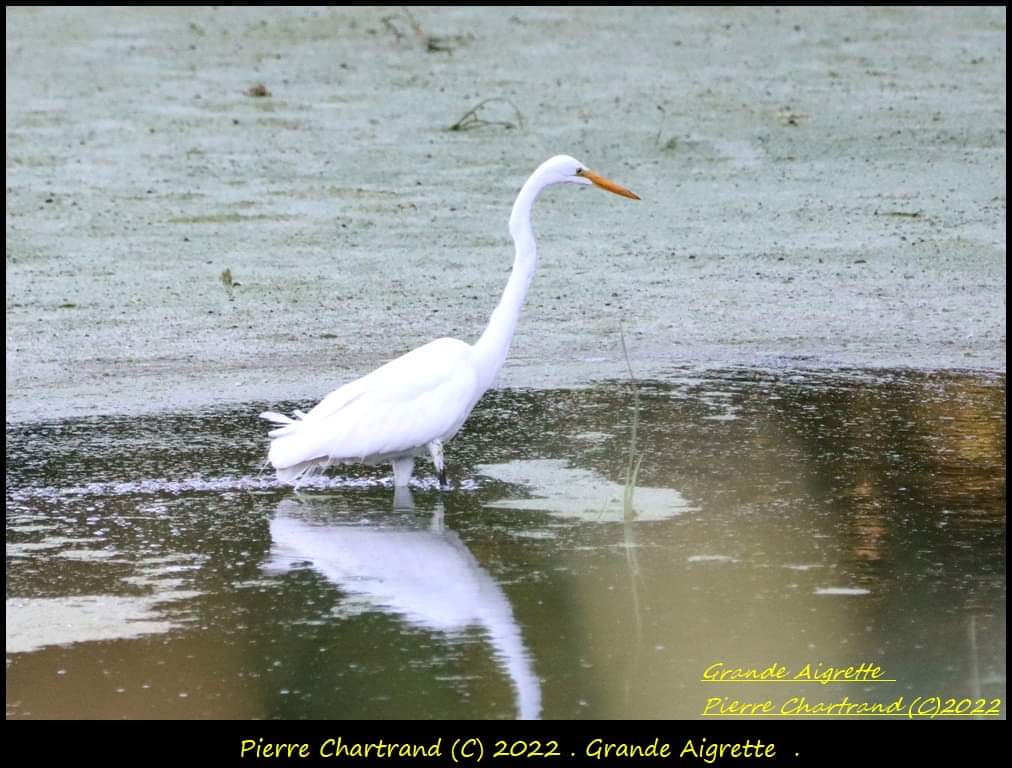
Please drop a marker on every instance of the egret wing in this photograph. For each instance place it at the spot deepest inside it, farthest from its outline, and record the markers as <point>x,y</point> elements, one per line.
<point>411,369</point>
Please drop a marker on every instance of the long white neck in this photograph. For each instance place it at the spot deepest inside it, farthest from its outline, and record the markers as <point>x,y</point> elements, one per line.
<point>491,349</point>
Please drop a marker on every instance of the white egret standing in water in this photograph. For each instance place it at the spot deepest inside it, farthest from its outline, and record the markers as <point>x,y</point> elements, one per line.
<point>420,400</point>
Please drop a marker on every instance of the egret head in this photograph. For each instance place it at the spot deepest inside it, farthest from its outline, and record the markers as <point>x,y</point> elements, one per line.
<point>563,169</point>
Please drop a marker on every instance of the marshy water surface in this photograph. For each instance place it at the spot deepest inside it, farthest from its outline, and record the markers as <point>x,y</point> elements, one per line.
<point>789,517</point>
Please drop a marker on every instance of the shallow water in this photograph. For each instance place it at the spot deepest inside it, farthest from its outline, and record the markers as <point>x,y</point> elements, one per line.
<point>788,517</point>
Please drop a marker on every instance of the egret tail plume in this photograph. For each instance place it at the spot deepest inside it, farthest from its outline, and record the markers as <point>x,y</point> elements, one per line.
<point>277,418</point>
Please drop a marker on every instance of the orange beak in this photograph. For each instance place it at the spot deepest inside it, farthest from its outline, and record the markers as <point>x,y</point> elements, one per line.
<point>604,183</point>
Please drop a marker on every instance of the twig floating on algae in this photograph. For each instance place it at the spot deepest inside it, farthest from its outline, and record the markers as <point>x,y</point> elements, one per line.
<point>471,118</point>
<point>431,43</point>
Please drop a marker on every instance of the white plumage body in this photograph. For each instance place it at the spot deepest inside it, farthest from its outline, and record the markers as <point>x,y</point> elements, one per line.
<point>392,413</point>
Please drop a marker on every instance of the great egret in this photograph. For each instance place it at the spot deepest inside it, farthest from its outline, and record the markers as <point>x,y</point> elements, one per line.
<point>420,400</point>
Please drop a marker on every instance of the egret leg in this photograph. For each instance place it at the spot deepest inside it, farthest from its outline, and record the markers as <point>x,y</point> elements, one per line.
<point>403,468</point>
<point>436,451</point>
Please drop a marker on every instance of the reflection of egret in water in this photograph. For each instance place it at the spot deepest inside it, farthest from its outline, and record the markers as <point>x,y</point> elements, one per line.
<point>426,575</point>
